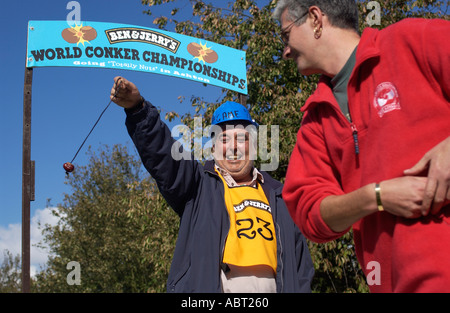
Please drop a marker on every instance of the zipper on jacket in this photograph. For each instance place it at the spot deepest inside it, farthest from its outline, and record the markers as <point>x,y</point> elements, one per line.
<point>281,259</point>
<point>353,127</point>
<point>225,241</point>
<point>354,130</point>
<point>355,137</point>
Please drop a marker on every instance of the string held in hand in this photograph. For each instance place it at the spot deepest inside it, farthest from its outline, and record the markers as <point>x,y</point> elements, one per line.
<point>68,166</point>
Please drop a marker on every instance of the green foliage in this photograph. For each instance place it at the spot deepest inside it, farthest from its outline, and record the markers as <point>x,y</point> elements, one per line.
<point>115,224</point>
<point>337,269</point>
<point>10,273</point>
<point>394,11</point>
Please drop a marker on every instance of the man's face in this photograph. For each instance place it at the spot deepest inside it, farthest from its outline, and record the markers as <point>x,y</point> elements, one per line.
<point>300,44</point>
<point>232,152</point>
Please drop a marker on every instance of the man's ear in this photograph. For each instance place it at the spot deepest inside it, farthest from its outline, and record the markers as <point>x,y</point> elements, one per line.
<point>317,16</point>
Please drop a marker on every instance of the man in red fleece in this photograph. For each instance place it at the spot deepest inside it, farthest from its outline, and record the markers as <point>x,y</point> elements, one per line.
<point>373,150</point>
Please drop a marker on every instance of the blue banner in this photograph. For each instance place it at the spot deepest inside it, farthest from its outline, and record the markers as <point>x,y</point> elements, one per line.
<point>129,47</point>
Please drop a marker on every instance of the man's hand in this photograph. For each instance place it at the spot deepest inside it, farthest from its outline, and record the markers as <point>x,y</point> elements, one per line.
<point>124,93</point>
<point>437,190</point>
<point>403,196</point>
<point>400,196</point>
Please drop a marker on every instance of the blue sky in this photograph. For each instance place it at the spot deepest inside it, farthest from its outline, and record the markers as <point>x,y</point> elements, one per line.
<point>66,102</point>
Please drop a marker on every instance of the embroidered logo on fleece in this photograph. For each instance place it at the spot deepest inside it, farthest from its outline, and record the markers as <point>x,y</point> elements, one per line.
<point>386,98</point>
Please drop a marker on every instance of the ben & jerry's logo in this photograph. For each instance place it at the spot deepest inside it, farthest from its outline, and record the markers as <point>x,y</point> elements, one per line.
<point>126,34</point>
<point>251,203</point>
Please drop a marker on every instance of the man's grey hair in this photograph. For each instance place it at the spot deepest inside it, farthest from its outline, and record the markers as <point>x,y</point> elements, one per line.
<point>340,13</point>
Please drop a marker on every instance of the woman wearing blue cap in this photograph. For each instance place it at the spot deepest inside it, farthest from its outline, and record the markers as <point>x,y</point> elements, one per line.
<point>235,233</point>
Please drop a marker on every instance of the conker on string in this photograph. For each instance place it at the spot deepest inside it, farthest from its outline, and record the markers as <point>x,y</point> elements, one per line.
<point>68,167</point>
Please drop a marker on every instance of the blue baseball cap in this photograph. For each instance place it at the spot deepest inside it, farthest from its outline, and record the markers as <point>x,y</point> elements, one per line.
<point>231,111</point>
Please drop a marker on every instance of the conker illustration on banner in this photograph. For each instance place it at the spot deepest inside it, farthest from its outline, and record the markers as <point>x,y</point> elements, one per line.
<point>79,34</point>
<point>202,52</point>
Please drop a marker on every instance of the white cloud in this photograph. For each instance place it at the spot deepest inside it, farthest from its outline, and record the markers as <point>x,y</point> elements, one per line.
<point>11,239</point>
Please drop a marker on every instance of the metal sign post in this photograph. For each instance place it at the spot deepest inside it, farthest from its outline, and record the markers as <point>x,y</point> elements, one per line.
<point>27,180</point>
<point>242,99</point>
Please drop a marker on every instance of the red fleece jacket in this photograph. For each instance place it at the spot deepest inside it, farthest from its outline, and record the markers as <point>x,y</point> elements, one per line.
<point>398,97</point>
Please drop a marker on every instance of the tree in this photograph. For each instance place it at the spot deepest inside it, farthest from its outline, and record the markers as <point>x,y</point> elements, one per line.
<point>115,225</point>
<point>10,273</point>
<point>277,91</point>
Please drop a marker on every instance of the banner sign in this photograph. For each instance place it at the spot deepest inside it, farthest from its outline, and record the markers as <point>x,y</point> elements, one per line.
<point>129,47</point>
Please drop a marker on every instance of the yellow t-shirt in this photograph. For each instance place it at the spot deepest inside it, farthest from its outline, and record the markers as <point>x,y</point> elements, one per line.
<point>251,239</point>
